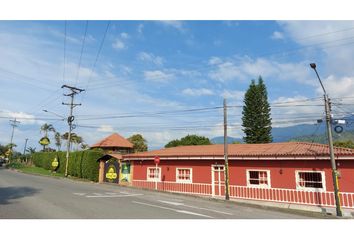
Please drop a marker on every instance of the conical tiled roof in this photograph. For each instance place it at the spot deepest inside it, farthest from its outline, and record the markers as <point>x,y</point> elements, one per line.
<point>114,140</point>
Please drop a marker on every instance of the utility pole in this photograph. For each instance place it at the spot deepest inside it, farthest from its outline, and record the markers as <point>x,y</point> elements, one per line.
<point>13,124</point>
<point>71,118</point>
<point>24,149</point>
<point>330,142</point>
<point>227,196</point>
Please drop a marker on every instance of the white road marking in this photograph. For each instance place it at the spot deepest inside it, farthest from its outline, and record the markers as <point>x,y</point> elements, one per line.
<point>80,194</point>
<point>172,203</point>
<point>182,204</point>
<point>172,209</point>
<point>113,196</point>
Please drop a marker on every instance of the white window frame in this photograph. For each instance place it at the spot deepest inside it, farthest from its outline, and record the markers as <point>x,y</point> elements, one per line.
<point>297,178</point>
<point>153,179</point>
<point>258,185</point>
<point>183,180</point>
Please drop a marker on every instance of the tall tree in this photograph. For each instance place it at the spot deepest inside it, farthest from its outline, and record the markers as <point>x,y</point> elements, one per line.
<point>46,128</point>
<point>139,143</point>
<point>256,120</point>
<point>189,140</point>
<point>57,137</point>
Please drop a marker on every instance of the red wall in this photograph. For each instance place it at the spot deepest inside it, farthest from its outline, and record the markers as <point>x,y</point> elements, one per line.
<point>282,172</point>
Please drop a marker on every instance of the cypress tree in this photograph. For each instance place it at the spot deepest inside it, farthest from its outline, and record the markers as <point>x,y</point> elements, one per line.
<point>256,120</point>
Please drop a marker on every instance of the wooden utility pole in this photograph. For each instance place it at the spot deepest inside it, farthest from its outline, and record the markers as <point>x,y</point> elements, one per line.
<point>227,196</point>
<point>13,124</point>
<point>71,118</point>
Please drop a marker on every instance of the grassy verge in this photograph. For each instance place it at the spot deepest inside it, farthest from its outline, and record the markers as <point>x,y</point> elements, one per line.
<point>40,171</point>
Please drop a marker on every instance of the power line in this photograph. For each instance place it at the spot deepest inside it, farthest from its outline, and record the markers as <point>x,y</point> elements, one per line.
<point>82,50</point>
<point>96,59</point>
<point>64,65</point>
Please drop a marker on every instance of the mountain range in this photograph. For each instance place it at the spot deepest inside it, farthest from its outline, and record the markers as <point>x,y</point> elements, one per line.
<point>303,132</point>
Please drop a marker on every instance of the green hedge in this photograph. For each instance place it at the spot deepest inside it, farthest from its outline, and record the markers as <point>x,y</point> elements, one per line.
<point>82,164</point>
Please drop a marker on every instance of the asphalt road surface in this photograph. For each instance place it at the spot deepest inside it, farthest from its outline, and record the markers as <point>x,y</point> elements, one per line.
<point>24,196</point>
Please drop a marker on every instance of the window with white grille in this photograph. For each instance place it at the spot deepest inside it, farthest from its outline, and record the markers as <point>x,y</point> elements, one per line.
<point>153,174</point>
<point>258,178</point>
<point>184,175</point>
<point>310,180</point>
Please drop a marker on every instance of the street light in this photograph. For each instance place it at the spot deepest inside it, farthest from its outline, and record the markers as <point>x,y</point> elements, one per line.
<point>56,114</point>
<point>330,142</point>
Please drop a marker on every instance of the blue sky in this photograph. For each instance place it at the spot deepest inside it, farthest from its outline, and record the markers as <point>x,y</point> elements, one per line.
<point>158,66</point>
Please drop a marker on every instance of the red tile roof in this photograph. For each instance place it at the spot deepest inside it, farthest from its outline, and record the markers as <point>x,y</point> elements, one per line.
<point>286,149</point>
<point>114,140</point>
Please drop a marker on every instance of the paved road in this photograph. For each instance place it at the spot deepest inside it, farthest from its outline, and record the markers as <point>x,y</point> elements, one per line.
<point>25,196</point>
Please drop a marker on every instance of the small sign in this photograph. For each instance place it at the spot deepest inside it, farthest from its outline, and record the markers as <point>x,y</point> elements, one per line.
<point>44,141</point>
<point>157,160</point>
<point>111,174</point>
<point>55,164</point>
<point>125,168</point>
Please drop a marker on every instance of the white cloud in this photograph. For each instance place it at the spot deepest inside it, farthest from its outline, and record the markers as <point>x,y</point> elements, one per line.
<point>198,92</point>
<point>118,44</point>
<point>124,35</point>
<point>140,28</point>
<point>233,95</point>
<point>158,76</point>
<point>149,57</point>
<point>337,86</point>
<point>331,40</point>
<point>246,68</point>
<point>174,24</point>
<point>105,128</point>
<point>277,35</point>
<point>24,118</point>
<point>215,60</point>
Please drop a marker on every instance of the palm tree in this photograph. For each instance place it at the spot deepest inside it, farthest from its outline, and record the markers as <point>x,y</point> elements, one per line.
<point>74,138</point>
<point>57,140</point>
<point>31,150</point>
<point>46,128</point>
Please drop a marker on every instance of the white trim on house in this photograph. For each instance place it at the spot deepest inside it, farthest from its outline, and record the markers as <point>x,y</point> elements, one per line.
<point>314,158</point>
<point>153,179</point>
<point>184,180</point>
<point>258,185</point>
<point>297,179</point>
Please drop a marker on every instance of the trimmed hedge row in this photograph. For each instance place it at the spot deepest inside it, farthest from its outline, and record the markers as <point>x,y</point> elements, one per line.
<point>82,164</point>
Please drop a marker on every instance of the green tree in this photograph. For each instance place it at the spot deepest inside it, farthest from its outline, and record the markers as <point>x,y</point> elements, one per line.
<point>256,120</point>
<point>31,150</point>
<point>139,143</point>
<point>344,144</point>
<point>57,138</point>
<point>189,140</point>
<point>46,128</point>
<point>74,139</point>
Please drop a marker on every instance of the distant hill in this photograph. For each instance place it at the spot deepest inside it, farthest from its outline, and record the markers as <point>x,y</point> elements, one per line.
<point>220,140</point>
<point>302,132</point>
<point>322,138</point>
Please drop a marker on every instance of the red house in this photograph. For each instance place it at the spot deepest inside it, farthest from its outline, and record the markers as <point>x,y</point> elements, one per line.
<point>292,172</point>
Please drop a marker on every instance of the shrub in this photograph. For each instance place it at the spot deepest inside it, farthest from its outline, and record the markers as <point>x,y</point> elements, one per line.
<point>82,164</point>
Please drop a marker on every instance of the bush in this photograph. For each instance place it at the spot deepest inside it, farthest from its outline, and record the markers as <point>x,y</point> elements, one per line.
<point>15,164</point>
<point>82,164</point>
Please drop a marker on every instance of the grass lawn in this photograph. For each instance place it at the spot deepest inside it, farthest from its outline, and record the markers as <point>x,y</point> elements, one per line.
<point>38,170</point>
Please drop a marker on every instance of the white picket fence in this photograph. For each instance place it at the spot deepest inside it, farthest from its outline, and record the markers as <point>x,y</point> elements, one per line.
<point>320,198</point>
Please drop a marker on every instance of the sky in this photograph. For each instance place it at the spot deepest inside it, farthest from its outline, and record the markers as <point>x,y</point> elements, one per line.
<point>167,79</point>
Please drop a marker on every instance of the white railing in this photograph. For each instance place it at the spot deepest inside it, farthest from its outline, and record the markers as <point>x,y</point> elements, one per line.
<point>320,198</point>
<point>190,188</point>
